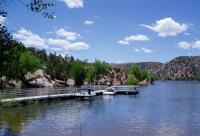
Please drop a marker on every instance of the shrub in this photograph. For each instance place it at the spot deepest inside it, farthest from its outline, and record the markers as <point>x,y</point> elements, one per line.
<point>131,81</point>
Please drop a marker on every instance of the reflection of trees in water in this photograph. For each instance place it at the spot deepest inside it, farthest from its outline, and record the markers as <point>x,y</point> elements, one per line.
<point>5,131</point>
<point>16,117</point>
<point>65,114</point>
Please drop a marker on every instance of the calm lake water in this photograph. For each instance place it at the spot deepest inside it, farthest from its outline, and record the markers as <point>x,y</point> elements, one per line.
<point>167,108</point>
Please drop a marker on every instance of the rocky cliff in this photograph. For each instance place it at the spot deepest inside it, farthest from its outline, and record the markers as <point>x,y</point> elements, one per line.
<point>180,68</point>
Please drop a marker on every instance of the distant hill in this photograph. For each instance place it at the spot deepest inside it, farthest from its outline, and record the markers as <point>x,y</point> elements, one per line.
<point>180,68</point>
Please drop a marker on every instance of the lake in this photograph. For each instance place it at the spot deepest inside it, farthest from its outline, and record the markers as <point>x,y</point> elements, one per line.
<point>167,108</point>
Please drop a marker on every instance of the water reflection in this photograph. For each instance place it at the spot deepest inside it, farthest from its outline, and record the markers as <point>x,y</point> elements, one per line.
<point>5,131</point>
<point>163,109</point>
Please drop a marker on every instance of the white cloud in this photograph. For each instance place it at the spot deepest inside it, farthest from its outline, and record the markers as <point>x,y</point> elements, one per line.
<point>118,61</point>
<point>65,43</point>
<point>143,50</point>
<point>68,45</point>
<point>123,42</point>
<point>88,22</point>
<point>138,37</point>
<point>189,45</point>
<point>196,45</point>
<point>78,46</point>
<point>56,49</point>
<point>167,27</point>
<point>184,45</point>
<point>74,3</point>
<point>30,39</point>
<point>71,36</point>
<point>58,42</point>
<point>137,50</point>
<point>2,19</point>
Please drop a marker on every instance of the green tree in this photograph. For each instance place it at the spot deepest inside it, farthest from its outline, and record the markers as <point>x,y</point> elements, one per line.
<point>143,74</point>
<point>131,80</point>
<point>29,62</point>
<point>135,70</point>
<point>78,72</point>
<point>58,67</point>
<point>91,75</point>
<point>152,78</point>
<point>100,68</point>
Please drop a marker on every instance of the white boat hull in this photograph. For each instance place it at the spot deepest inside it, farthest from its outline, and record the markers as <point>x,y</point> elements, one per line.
<point>108,93</point>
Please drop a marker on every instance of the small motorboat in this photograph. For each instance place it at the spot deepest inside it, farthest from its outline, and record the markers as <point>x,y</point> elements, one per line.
<point>109,91</point>
<point>85,93</point>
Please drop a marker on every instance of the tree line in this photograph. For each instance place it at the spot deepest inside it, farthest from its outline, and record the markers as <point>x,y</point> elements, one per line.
<point>16,61</point>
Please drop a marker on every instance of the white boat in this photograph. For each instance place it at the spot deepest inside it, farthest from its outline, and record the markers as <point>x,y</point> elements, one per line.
<point>109,91</point>
<point>85,93</point>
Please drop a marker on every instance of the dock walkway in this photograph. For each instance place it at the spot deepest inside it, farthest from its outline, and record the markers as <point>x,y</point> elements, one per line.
<point>17,95</point>
<point>25,95</point>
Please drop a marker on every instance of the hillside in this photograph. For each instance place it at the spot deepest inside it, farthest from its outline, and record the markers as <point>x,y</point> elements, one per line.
<point>180,68</point>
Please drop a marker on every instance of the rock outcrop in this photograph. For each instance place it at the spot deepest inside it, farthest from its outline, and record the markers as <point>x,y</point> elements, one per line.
<point>113,78</point>
<point>180,68</point>
<point>40,79</point>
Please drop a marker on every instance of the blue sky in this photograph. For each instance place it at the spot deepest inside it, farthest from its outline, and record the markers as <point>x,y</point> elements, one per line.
<point>111,30</point>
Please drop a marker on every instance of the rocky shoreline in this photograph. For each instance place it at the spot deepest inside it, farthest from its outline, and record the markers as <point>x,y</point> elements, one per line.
<point>180,68</point>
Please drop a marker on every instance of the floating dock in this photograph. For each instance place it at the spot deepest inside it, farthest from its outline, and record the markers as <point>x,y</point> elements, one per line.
<point>20,96</point>
<point>126,89</point>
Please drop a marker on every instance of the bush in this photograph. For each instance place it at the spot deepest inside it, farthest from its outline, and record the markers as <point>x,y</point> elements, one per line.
<point>29,62</point>
<point>135,70</point>
<point>131,81</point>
<point>152,78</point>
<point>138,72</point>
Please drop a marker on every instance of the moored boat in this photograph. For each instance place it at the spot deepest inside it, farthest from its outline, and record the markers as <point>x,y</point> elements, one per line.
<point>109,91</point>
<point>85,93</point>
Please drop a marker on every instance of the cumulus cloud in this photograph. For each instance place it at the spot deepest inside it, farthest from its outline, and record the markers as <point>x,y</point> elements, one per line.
<point>138,37</point>
<point>66,42</point>
<point>71,36</point>
<point>143,50</point>
<point>88,22</point>
<point>196,45</point>
<point>184,45</point>
<point>74,3</point>
<point>123,42</point>
<point>30,39</point>
<point>56,49</point>
<point>67,45</point>
<point>2,19</point>
<point>189,45</point>
<point>167,27</point>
